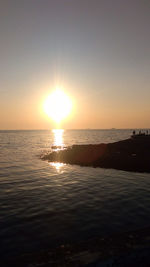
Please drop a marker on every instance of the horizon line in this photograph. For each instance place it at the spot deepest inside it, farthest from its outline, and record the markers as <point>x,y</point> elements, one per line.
<point>113,128</point>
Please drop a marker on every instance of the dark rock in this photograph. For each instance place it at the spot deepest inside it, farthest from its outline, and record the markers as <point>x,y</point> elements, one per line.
<point>129,155</point>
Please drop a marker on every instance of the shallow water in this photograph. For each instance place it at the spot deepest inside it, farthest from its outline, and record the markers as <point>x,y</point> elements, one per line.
<point>44,205</point>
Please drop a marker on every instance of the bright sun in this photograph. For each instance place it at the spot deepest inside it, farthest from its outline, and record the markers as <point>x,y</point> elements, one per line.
<point>57,105</point>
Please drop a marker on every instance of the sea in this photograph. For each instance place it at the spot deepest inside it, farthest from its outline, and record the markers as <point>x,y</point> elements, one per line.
<point>45,205</point>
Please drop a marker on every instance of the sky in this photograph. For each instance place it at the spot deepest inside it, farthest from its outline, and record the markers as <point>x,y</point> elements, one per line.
<point>97,51</point>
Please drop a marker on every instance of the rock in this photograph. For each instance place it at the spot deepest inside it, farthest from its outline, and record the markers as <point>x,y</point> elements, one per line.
<point>128,155</point>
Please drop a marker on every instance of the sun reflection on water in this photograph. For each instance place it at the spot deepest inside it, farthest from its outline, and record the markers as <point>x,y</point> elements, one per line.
<point>57,165</point>
<point>58,137</point>
<point>58,144</point>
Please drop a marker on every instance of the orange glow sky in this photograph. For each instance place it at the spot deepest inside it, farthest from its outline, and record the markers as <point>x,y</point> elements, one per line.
<point>98,52</point>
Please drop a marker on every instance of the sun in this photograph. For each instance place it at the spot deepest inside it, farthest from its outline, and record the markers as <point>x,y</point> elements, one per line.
<point>57,105</point>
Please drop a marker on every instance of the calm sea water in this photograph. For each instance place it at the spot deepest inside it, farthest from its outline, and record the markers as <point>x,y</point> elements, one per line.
<point>44,205</point>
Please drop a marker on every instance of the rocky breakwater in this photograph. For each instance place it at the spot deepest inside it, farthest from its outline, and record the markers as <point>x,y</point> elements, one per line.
<point>128,155</point>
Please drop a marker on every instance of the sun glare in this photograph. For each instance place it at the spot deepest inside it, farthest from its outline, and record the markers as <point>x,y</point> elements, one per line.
<point>57,105</point>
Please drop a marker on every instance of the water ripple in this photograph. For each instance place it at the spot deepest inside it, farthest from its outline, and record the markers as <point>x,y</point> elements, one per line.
<point>44,204</point>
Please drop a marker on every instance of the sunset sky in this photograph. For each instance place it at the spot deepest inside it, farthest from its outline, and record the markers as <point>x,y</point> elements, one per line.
<point>97,51</point>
